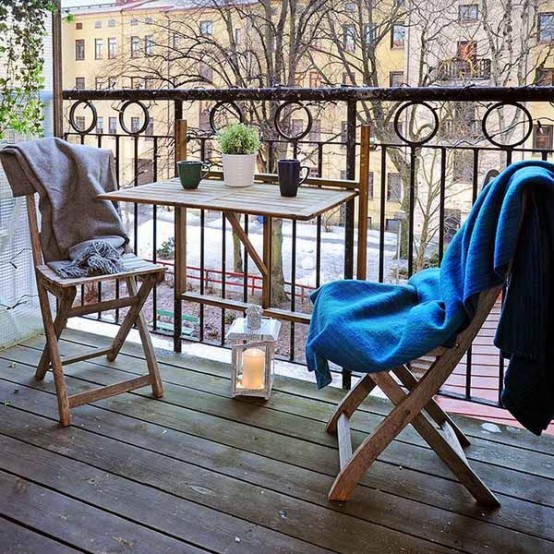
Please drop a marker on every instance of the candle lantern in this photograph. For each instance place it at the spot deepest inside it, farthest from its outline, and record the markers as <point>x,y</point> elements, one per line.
<point>253,355</point>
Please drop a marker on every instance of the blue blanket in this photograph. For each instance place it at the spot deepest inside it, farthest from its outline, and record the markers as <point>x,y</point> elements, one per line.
<point>370,327</point>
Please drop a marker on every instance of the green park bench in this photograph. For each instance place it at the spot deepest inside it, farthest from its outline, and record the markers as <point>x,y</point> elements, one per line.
<point>164,322</point>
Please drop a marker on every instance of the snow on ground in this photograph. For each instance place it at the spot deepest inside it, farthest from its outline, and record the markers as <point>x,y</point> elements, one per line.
<point>332,247</point>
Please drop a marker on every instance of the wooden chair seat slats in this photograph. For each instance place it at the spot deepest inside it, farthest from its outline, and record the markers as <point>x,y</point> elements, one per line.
<point>133,266</point>
<point>65,291</point>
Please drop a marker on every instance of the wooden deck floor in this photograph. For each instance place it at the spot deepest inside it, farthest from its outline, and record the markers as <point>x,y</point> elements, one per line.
<point>199,472</point>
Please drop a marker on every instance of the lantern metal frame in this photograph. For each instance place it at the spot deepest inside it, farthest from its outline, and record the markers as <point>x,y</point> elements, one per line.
<point>242,338</point>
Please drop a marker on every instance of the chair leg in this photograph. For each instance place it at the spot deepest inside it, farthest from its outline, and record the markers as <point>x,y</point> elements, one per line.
<point>131,317</point>
<point>446,446</point>
<point>54,354</point>
<point>433,409</point>
<point>351,402</point>
<point>388,429</point>
<point>148,347</point>
<point>66,301</point>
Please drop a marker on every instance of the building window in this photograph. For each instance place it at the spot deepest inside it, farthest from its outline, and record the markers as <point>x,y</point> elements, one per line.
<point>238,36</point>
<point>112,22</point>
<point>112,48</point>
<point>315,131</point>
<point>350,7</point>
<point>467,50</point>
<point>80,49</point>
<point>99,83</point>
<point>149,45</point>
<point>392,225</point>
<point>370,181</point>
<point>112,82</point>
<point>150,127</point>
<point>99,125</point>
<point>137,82</point>
<point>149,21</point>
<point>206,28</point>
<point>396,79</point>
<point>545,77</point>
<point>546,27</point>
<point>112,125</point>
<point>176,40</point>
<point>394,187</point>
<point>78,26</point>
<point>542,137</point>
<point>135,47</point>
<point>135,124</point>
<point>98,48</point>
<point>98,24</point>
<point>370,34</point>
<point>343,131</point>
<point>80,83</point>
<point>134,21</point>
<point>349,37</point>
<point>80,123</point>
<point>347,79</point>
<point>203,117</point>
<point>462,166</point>
<point>398,36</point>
<point>297,127</point>
<point>150,83</point>
<point>468,12</point>
<point>315,79</point>
<point>205,72</point>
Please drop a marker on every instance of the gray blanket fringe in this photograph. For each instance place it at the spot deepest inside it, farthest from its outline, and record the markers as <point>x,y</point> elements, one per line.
<point>96,258</point>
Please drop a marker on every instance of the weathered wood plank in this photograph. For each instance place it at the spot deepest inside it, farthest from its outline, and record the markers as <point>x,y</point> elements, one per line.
<point>397,480</point>
<point>148,506</point>
<point>15,539</point>
<point>77,523</point>
<point>301,521</point>
<point>304,389</point>
<point>258,199</point>
<point>289,406</point>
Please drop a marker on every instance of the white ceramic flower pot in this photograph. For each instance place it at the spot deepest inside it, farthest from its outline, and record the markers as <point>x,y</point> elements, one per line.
<point>239,169</point>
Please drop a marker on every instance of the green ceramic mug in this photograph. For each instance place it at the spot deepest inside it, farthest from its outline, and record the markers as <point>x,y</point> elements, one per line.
<point>191,172</point>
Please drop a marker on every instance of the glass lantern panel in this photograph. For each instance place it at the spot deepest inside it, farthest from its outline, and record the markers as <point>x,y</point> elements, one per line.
<point>251,367</point>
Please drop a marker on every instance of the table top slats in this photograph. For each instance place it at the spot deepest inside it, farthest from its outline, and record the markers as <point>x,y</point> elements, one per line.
<point>258,199</point>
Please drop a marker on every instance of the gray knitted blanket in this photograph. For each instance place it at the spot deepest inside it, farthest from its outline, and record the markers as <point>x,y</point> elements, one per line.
<point>80,234</point>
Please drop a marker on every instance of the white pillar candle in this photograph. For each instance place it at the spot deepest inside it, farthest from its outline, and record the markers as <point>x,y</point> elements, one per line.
<point>253,368</point>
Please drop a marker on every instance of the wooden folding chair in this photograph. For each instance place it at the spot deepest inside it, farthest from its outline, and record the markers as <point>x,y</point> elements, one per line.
<point>65,291</point>
<point>416,406</point>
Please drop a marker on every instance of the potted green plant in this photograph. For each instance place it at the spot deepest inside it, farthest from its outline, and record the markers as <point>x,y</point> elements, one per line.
<point>239,146</point>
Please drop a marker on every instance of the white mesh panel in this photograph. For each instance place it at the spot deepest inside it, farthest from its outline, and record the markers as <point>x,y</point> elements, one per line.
<point>19,309</point>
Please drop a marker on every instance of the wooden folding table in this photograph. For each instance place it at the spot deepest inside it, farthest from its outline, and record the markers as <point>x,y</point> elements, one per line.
<point>259,199</point>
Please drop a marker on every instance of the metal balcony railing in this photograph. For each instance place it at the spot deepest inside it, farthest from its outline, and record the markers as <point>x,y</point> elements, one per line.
<point>426,169</point>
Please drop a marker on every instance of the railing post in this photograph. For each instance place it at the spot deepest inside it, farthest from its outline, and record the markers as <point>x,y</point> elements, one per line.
<point>349,216</point>
<point>57,84</point>
<point>181,229</point>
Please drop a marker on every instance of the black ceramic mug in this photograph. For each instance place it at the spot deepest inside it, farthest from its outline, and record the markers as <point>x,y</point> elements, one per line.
<point>288,172</point>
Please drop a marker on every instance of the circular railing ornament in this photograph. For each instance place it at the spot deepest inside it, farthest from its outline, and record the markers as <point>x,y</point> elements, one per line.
<point>426,138</point>
<point>86,104</point>
<point>500,105</point>
<point>229,107</point>
<point>145,114</point>
<point>298,106</point>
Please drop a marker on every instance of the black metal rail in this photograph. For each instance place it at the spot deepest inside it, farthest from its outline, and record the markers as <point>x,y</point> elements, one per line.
<point>477,141</point>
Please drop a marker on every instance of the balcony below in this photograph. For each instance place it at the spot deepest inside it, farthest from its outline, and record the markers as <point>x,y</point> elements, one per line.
<point>199,472</point>
<point>461,69</point>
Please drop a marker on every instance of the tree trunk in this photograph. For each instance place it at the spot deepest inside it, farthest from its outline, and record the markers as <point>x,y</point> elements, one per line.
<point>238,266</point>
<point>278,294</point>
